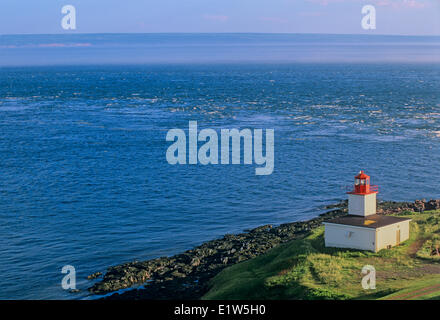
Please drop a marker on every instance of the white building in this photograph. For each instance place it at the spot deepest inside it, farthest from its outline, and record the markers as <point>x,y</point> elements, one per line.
<point>362,228</point>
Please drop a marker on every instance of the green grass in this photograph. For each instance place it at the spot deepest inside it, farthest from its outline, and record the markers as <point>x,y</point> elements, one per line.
<point>306,269</point>
<point>425,288</point>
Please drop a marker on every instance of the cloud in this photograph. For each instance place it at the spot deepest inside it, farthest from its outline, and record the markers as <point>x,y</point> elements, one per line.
<point>273,19</point>
<point>417,4</point>
<point>325,2</point>
<point>311,14</point>
<point>217,18</point>
<point>48,45</point>
<point>398,4</point>
<point>63,45</point>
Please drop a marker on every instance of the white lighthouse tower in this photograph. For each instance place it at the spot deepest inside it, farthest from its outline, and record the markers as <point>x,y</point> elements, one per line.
<point>362,200</point>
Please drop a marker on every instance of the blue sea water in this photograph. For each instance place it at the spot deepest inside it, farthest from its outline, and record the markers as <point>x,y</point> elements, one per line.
<point>84,179</point>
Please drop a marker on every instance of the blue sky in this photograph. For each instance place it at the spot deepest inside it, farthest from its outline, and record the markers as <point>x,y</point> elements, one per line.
<point>410,17</point>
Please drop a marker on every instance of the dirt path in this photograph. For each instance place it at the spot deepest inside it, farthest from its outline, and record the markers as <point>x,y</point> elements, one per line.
<point>423,294</point>
<point>415,246</point>
<point>416,293</point>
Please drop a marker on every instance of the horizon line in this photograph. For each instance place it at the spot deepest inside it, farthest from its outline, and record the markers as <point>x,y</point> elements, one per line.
<point>219,33</point>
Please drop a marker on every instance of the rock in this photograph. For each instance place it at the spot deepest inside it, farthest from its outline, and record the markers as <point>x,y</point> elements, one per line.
<point>432,205</point>
<point>178,274</point>
<point>94,275</point>
<point>195,262</point>
<point>261,228</point>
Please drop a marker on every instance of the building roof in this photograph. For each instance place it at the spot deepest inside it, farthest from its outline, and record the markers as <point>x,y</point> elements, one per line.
<point>362,175</point>
<point>373,221</point>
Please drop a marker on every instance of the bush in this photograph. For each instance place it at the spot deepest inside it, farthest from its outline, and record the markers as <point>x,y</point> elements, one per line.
<point>326,294</point>
<point>429,247</point>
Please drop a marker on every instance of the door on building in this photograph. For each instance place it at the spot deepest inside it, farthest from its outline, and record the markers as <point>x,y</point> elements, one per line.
<point>397,237</point>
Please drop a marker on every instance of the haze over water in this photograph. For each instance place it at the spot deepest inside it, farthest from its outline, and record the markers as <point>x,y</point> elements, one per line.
<point>83,119</point>
<point>90,49</point>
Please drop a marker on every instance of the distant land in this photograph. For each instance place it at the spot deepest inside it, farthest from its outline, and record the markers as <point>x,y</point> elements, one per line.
<point>202,48</point>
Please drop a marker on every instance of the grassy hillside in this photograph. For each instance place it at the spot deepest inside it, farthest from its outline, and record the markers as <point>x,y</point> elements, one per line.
<point>305,269</point>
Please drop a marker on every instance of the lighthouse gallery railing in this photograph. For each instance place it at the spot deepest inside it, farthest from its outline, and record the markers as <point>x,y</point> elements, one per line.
<point>373,188</point>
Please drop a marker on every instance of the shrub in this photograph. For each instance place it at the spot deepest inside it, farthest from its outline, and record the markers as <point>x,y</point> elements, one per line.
<point>326,294</point>
<point>430,246</point>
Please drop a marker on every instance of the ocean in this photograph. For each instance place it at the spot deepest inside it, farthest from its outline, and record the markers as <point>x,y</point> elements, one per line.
<point>83,119</point>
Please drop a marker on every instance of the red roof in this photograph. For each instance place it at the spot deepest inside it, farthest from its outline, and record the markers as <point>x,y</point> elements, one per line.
<point>362,175</point>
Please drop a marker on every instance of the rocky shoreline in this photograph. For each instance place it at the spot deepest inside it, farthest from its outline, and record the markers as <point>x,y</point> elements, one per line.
<point>187,275</point>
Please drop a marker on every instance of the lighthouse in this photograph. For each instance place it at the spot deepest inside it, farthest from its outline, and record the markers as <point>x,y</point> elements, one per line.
<point>363,228</point>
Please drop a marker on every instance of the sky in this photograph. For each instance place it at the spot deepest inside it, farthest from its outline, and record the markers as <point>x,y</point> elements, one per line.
<point>398,17</point>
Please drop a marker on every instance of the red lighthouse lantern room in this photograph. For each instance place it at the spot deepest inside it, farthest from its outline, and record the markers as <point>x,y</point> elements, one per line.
<point>362,184</point>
